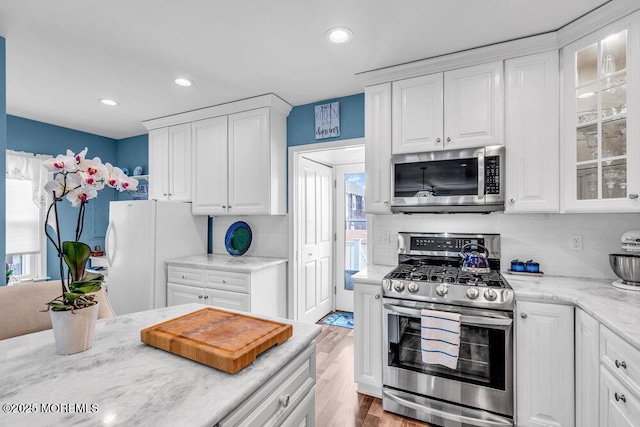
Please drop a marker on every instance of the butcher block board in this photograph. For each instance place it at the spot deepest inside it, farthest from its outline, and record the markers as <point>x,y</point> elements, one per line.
<point>217,338</point>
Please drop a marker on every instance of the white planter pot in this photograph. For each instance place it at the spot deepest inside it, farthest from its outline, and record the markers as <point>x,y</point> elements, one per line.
<point>74,331</point>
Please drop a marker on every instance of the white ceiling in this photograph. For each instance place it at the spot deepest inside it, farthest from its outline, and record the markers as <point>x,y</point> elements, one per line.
<point>62,55</point>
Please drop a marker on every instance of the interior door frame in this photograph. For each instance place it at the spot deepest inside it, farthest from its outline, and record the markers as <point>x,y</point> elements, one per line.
<point>294,154</point>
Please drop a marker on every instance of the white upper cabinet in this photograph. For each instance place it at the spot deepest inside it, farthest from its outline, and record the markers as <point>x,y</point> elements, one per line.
<point>377,134</point>
<point>170,163</point>
<point>210,166</point>
<point>532,133</point>
<point>601,123</point>
<point>417,114</point>
<point>238,161</point>
<point>456,109</point>
<point>474,106</point>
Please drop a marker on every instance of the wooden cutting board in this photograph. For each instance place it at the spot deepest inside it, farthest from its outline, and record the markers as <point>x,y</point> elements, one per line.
<point>221,339</point>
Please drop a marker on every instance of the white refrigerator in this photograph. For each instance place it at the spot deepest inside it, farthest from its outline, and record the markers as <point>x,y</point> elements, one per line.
<point>141,236</point>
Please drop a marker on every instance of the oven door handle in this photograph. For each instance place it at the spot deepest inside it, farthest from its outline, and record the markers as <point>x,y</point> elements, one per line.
<point>447,415</point>
<point>467,320</point>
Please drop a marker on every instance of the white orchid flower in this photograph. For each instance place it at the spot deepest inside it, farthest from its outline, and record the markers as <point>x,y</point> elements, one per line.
<point>128,184</point>
<point>114,175</point>
<point>58,184</point>
<point>78,157</point>
<point>61,163</point>
<point>80,195</point>
<point>93,172</point>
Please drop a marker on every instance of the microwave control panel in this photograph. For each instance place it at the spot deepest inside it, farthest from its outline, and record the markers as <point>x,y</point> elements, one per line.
<point>492,175</point>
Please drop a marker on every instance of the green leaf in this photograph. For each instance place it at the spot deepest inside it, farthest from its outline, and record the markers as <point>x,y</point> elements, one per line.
<point>75,256</point>
<point>72,296</point>
<point>87,289</point>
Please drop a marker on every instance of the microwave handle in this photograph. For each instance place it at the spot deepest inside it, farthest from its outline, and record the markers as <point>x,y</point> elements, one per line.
<point>481,174</point>
<point>473,320</point>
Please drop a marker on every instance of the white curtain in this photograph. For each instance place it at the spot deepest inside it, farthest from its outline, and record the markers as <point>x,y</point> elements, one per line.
<point>26,200</point>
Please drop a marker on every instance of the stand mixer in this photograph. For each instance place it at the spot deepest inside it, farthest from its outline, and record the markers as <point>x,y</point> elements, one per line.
<point>627,265</point>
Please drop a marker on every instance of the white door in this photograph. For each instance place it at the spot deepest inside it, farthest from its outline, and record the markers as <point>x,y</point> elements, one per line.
<point>315,266</point>
<point>351,230</point>
<point>181,294</point>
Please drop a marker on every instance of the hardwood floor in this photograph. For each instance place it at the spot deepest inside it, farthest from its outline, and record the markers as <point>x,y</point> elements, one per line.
<point>337,402</point>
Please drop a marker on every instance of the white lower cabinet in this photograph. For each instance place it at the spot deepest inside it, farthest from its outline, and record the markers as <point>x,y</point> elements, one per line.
<point>544,364</point>
<point>367,320</point>
<point>260,291</point>
<point>287,399</point>
<point>587,347</point>
<point>618,406</point>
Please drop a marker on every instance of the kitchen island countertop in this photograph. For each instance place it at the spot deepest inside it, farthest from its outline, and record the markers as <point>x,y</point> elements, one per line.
<point>617,309</point>
<point>122,381</point>
<point>240,264</point>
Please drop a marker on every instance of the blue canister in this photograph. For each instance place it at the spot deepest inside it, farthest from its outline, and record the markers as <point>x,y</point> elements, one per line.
<point>517,265</point>
<point>532,267</point>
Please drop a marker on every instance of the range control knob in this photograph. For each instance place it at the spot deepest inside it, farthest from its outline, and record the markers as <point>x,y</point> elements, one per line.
<point>398,286</point>
<point>413,287</point>
<point>472,293</point>
<point>490,295</point>
<point>442,289</point>
<point>386,283</point>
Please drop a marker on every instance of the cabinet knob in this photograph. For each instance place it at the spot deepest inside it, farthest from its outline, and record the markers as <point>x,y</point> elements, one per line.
<point>438,140</point>
<point>512,201</point>
<point>524,315</point>
<point>224,281</point>
<point>224,207</point>
<point>377,296</point>
<point>448,139</point>
<point>164,194</point>
<point>206,297</point>
<point>621,364</point>
<point>199,296</point>
<point>620,397</point>
<point>184,277</point>
<point>386,203</point>
<point>633,196</point>
<point>284,400</point>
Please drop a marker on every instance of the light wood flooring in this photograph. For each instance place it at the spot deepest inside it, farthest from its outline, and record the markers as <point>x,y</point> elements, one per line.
<point>337,402</point>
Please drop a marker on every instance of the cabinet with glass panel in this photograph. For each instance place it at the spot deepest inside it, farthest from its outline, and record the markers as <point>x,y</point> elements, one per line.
<point>601,149</point>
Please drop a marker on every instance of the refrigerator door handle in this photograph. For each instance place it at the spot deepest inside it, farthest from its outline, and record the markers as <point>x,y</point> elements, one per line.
<point>111,254</point>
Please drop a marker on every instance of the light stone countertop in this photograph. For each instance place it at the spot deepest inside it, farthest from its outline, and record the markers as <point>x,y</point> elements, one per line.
<point>617,309</point>
<point>130,382</point>
<point>241,264</point>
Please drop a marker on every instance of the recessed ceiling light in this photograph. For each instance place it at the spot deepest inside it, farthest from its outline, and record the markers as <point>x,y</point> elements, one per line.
<point>109,102</point>
<point>182,82</point>
<point>339,35</point>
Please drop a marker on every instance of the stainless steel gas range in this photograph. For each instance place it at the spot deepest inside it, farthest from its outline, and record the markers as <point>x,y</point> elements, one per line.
<point>479,391</point>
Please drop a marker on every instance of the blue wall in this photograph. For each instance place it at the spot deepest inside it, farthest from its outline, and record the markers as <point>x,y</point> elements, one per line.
<point>301,121</point>
<point>3,147</point>
<point>132,152</point>
<point>42,138</point>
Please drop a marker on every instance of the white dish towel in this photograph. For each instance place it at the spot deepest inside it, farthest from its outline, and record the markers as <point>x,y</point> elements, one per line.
<point>440,338</point>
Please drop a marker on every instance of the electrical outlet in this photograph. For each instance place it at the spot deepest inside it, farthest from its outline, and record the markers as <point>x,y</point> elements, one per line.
<point>382,237</point>
<point>575,242</point>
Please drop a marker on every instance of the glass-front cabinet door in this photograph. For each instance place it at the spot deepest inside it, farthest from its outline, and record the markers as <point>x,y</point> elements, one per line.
<point>601,150</point>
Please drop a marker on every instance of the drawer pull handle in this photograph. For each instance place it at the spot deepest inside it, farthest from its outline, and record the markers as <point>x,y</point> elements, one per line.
<point>284,400</point>
<point>619,364</point>
<point>620,397</point>
<point>206,297</point>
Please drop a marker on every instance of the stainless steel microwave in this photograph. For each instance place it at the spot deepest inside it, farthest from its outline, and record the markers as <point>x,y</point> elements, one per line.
<point>467,180</point>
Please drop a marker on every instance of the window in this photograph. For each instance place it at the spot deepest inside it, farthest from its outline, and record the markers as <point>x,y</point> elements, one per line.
<point>25,215</point>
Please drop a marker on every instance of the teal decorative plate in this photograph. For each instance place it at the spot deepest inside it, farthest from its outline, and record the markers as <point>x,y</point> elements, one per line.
<point>238,238</point>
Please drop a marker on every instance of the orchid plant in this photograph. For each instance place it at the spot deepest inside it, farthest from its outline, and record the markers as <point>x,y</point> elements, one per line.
<point>78,179</point>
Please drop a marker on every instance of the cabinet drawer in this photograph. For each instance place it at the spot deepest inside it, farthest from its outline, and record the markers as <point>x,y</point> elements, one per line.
<point>622,359</point>
<point>272,404</point>
<point>228,281</point>
<point>185,276</point>
<point>618,406</point>
<point>225,299</point>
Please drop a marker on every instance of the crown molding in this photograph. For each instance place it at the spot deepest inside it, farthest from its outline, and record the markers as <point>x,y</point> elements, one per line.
<point>596,19</point>
<point>269,100</point>
<point>481,55</point>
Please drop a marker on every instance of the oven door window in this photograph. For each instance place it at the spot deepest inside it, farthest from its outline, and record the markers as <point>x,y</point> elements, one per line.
<point>481,358</point>
<point>457,177</point>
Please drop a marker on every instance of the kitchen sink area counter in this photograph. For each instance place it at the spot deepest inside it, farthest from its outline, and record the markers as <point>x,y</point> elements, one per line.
<point>121,381</point>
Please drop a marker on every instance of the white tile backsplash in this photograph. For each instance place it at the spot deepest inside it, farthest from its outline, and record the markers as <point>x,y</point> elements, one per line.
<point>542,237</point>
<point>270,234</point>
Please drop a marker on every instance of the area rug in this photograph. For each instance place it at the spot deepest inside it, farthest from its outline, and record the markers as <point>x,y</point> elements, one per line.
<point>339,318</point>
